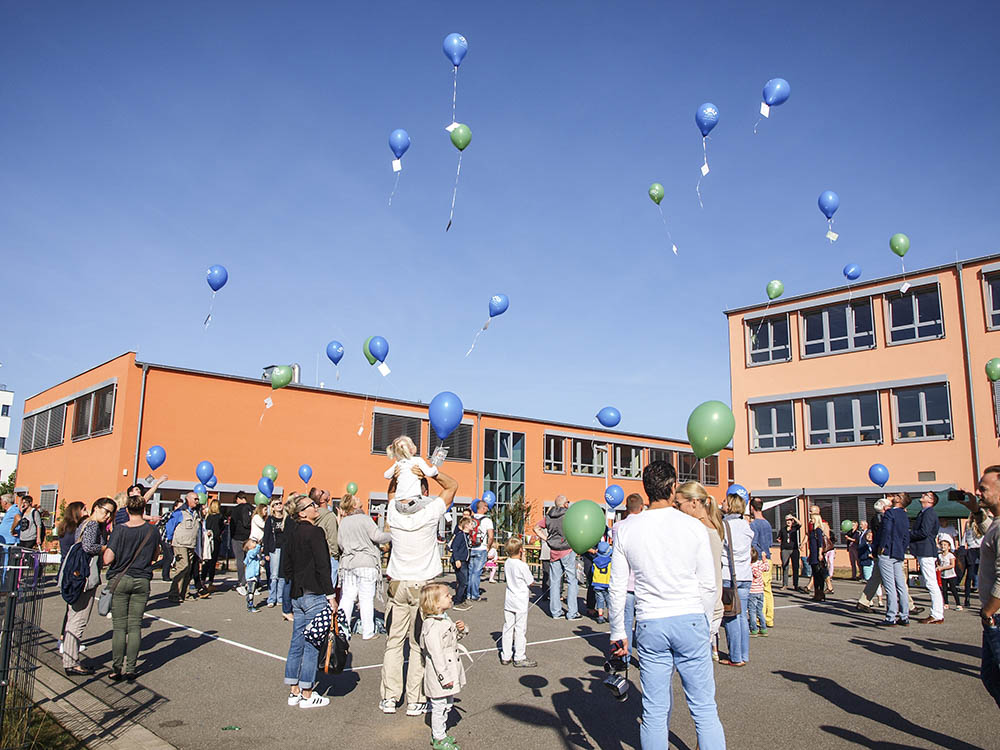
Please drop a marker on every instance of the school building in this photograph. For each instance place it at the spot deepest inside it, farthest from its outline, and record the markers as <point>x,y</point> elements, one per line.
<point>888,371</point>
<point>87,437</point>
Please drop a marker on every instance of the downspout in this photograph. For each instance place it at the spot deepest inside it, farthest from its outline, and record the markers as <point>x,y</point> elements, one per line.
<point>968,370</point>
<point>476,468</point>
<point>138,429</point>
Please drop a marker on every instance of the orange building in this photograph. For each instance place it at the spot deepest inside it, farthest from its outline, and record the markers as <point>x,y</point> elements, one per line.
<point>889,371</point>
<point>87,437</point>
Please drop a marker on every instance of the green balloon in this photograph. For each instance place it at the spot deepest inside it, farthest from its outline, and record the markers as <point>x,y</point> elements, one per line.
<point>352,488</point>
<point>368,354</point>
<point>280,377</point>
<point>993,369</point>
<point>583,525</point>
<point>260,499</point>
<point>710,428</point>
<point>270,472</point>
<point>461,137</point>
<point>775,289</point>
<point>656,193</point>
<point>202,498</point>
<point>846,526</point>
<point>899,243</point>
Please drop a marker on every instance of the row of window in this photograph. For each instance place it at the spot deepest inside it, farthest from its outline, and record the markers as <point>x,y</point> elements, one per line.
<point>919,413</point>
<point>833,510</point>
<point>44,429</point>
<point>849,326</point>
<point>93,415</point>
<point>388,427</point>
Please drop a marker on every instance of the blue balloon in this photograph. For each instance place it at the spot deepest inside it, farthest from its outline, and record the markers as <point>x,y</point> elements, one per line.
<point>852,271</point>
<point>707,117</point>
<point>878,474</point>
<point>614,495</point>
<point>217,277</point>
<point>155,457</point>
<point>305,472</point>
<point>445,412</point>
<point>740,491</point>
<point>399,141</point>
<point>265,486</point>
<point>335,351</point>
<point>455,48</point>
<point>829,202</point>
<point>498,304</point>
<point>490,499</point>
<point>199,489</point>
<point>204,471</point>
<point>609,416</point>
<point>379,348</point>
<point>212,482</point>
<point>776,92</point>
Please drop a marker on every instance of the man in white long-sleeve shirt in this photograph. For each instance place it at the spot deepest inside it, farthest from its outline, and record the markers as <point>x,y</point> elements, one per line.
<point>670,555</point>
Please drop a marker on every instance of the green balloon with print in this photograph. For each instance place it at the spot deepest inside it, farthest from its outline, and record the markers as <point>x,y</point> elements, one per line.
<point>775,289</point>
<point>352,488</point>
<point>993,369</point>
<point>280,377</point>
<point>270,472</point>
<point>656,193</point>
<point>583,525</point>
<point>367,352</point>
<point>899,243</point>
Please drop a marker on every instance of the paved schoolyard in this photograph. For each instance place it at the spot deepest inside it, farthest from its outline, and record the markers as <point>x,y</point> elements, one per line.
<point>826,677</point>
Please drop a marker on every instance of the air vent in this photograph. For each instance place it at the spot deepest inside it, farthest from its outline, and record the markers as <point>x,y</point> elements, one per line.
<point>926,476</point>
<point>774,481</point>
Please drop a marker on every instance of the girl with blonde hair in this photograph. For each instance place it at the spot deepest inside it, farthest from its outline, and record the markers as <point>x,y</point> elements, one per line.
<point>693,499</point>
<point>403,451</point>
<point>444,674</point>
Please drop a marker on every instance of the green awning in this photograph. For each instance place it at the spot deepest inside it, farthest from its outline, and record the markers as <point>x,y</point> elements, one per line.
<point>945,508</point>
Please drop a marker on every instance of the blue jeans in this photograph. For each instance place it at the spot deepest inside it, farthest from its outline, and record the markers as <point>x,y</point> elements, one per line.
<point>462,583</point>
<point>681,643</point>
<point>738,628</point>
<point>897,597</point>
<point>755,611</point>
<point>564,567</point>
<point>601,600</point>
<point>630,621</point>
<point>334,567</point>
<point>807,569</point>
<point>276,586</point>
<point>303,657</point>
<point>477,561</point>
<point>990,669</point>
<point>286,596</point>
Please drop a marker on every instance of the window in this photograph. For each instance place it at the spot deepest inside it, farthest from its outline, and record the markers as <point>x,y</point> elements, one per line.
<point>838,328</point>
<point>388,427</point>
<point>82,408</point>
<point>772,427</point>
<point>3,443</point>
<point>711,470</point>
<point>503,471</point>
<point>732,470</point>
<point>47,499</point>
<point>993,301</point>
<point>923,413</point>
<point>5,410</point>
<point>459,443</point>
<point>844,420</point>
<point>43,430</point>
<point>839,509</point>
<point>93,413</point>
<point>589,457</point>
<point>769,340</point>
<point>915,316</point>
<point>627,462</point>
<point>553,460</point>
<point>688,468</point>
<point>658,454</point>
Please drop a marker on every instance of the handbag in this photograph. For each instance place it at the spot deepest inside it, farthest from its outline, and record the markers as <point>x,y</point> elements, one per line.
<point>104,603</point>
<point>731,606</point>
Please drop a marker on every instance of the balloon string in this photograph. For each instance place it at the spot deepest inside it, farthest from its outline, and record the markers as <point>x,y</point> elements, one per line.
<point>335,367</point>
<point>454,96</point>
<point>762,319</point>
<point>669,237</point>
<point>697,187</point>
<point>478,334</point>
<point>829,225</point>
<point>759,121</point>
<point>211,306</point>
<point>454,193</point>
<point>394,187</point>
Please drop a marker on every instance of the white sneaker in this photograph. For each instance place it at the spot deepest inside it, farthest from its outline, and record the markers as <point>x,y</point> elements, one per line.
<point>82,648</point>
<point>294,698</point>
<point>241,590</point>
<point>314,701</point>
<point>387,706</point>
<point>60,646</point>
<point>416,709</point>
<point>270,604</point>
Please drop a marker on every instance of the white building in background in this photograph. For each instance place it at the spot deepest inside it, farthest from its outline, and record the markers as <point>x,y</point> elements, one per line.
<point>8,461</point>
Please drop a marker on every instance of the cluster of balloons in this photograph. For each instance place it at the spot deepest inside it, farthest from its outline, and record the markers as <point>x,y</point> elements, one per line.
<point>205,472</point>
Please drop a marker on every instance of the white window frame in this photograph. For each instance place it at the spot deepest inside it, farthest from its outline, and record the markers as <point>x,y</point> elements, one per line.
<point>598,467</point>
<point>671,459</point>
<point>826,341</point>
<point>634,470</point>
<point>755,437</point>
<point>924,422</point>
<point>697,467</point>
<point>754,325</point>
<point>705,478</point>
<point>912,294</point>
<point>832,428</point>
<point>549,464</point>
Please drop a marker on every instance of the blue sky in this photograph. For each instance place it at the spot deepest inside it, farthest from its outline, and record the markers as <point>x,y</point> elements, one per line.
<point>141,143</point>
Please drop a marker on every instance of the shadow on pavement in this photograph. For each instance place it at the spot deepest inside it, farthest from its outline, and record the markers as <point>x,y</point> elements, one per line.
<point>911,656</point>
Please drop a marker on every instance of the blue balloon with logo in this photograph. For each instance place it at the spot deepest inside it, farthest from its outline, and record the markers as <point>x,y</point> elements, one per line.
<point>852,271</point>
<point>155,456</point>
<point>335,352</point>
<point>455,48</point>
<point>707,117</point>
<point>204,471</point>
<point>609,416</point>
<point>829,202</point>
<point>399,142</point>
<point>614,495</point>
<point>265,486</point>
<point>878,474</point>
<point>379,348</point>
<point>490,499</point>
<point>776,91</point>
<point>498,304</point>
<point>217,277</point>
<point>212,482</point>
<point>305,472</point>
<point>739,490</point>
<point>445,413</point>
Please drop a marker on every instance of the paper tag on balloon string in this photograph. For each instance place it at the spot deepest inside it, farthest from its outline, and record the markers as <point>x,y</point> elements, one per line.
<point>905,288</point>
<point>397,165</point>
<point>208,320</point>
<point>832,236</point>
<point>338,373</point>
<point>765,110</point>
<point>704,169</point>
<point>268,403</point>
<point>675,249</point>
<point>451,127</point>
<point>384,369</point>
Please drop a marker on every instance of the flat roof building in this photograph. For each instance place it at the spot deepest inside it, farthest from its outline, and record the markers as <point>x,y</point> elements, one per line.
<point>8,459</point>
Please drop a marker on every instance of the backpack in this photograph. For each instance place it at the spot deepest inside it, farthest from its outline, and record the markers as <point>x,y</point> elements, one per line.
<point>476,537</point>
<point>73,573</point>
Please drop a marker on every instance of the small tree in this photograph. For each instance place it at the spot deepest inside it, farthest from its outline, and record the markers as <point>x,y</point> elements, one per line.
<point>7,486</point>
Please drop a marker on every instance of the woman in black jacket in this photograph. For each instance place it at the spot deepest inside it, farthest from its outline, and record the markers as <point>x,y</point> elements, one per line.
<point>789,540</point>
<point>213,523</point>
<point>305,561</point>
<point>274,538</point>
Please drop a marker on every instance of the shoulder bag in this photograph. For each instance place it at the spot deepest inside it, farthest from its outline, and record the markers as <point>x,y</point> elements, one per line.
<point>104,603</point>
<point>730,599</point>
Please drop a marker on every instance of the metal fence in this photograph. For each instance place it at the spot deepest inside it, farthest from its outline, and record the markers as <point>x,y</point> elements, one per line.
<point>20,612</point>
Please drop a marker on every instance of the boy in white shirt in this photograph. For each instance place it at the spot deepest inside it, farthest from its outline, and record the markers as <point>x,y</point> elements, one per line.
<point>515,607</point>
<point>408,485</point>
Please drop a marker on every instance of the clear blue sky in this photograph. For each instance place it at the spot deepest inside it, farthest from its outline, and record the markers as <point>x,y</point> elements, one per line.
<point>140,143</point>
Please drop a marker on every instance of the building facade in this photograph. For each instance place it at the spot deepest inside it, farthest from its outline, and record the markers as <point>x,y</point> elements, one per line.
<point>887,371</point>
<point>87,437</point>
<point>8,458</point>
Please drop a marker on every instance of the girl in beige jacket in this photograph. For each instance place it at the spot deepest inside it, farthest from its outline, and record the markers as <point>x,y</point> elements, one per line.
<point>444,674</point>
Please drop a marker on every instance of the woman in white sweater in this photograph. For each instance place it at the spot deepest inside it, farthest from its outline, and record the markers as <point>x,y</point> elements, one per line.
<point>360,562</point>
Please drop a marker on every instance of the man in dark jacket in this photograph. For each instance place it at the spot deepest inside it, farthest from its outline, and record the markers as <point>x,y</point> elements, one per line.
<point>460,556</point>
<point>239,532</point>
<point>891,544</point>
<point>923,546</point>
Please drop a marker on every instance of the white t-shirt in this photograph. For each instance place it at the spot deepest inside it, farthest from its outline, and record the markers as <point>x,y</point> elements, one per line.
<point>408,483</point>
<point>947,559</point>
<point>485,526</point>
<point>415,555</point>
<point>257,528</point>
<point>519,578</point>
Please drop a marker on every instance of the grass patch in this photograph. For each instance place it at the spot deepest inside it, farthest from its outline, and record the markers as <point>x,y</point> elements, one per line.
<point>45,733</point>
